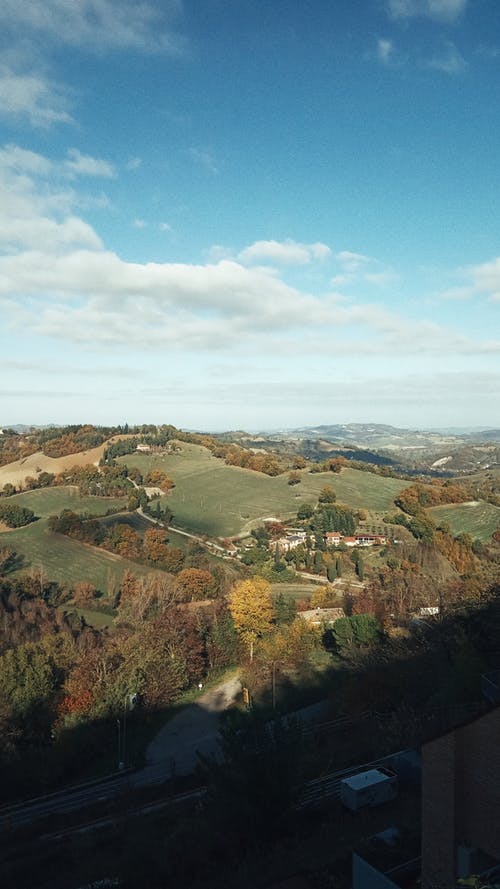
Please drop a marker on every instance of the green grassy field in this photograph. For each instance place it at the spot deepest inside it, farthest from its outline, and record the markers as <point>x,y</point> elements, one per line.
<point>66,560</point>
<point>479,519</point>
<point>293,590</point>
<point>94,618</point>
<point>51,501</point>
<point>222,501</point>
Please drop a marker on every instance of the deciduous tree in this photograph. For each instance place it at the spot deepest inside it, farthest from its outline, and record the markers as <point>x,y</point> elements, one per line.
<point>195,584</point>
<point>252,610</point>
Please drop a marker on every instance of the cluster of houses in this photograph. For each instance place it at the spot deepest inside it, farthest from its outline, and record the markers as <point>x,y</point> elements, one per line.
<point>295,537</point>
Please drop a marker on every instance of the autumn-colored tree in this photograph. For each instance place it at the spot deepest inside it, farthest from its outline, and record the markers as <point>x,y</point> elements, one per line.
<point>458,550</point>
<point>159,479</point>
<point>195,584</point>
<point>155,545</point>
<point>252,610</point>
<point>325,596</point>
<point>300,638</point>
<point>289,647</point>
<point>327,494</point>
<point>83,593</point>
<point>142,598</point>
<point>275,529</point>
<point>335,464</point>
<point>128,585</point>
<point>164,657</point>
<point>125,541</point>
<point>173,560</point>
<point>73,704</point>
<point>294,477</point>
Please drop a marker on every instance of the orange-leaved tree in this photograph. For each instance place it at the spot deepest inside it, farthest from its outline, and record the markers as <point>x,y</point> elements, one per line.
<point>195,584</point>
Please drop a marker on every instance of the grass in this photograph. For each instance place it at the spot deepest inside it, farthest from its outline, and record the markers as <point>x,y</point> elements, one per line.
<point>223,501</point>
<point>51,501</point>
<point>479,519</point>
<point>97,619</point>
<point>68,561</point>
<point>293,590</point>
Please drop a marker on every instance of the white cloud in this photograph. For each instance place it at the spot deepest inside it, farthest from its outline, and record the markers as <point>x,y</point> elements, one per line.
<point>32,96</point>
<point>357,268</point>
<point>43,233</point>
<point>450,61</point>
<point>440,10</point>
<point>381,278</point>
<point>385,50</point>
<point>485,278</point>
<point>35,210</point>
<point>96,24</point>
<point>57,280</point>
<point>351,262</point>
<point>133,163</point>
<point>139,223</point>
<point>284,252</point>
<point>83,165</point>
<point>217,252</point>
<point>165,227</point>
<point>95,298</point>
<point>476,281</point>
<point>20,160</point>
<point>341,280</point>
<point>458,293</point>
<point>204,158</point>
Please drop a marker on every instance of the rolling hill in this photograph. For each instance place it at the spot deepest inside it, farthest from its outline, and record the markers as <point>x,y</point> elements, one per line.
<point>224,501</point>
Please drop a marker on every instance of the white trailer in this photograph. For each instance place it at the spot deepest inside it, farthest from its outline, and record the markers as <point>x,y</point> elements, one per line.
<point>370,788</point>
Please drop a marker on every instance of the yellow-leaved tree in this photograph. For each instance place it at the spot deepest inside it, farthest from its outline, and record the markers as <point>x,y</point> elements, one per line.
<point>252,610</point>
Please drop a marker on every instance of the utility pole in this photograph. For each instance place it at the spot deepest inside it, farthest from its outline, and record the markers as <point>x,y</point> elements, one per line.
<point>130,701</point>
<point>120,763</point>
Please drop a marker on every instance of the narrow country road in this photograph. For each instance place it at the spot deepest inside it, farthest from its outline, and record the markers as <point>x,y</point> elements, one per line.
<point>196,728</point>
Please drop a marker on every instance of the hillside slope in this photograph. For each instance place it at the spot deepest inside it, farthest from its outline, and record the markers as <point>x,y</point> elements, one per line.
<point>15,473</point>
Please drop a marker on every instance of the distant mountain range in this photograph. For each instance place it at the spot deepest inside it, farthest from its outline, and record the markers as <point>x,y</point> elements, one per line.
<point>381,435</point>
<point>439,452</point>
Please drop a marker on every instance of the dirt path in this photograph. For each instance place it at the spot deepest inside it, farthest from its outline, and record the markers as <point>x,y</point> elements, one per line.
<point>196,728</point>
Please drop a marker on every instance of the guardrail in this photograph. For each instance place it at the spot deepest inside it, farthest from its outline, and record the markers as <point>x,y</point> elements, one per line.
<point>64,791</point>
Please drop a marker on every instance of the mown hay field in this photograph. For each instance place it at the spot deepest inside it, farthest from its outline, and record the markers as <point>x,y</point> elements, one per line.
<point>477,518</point>
<point>223,501</point>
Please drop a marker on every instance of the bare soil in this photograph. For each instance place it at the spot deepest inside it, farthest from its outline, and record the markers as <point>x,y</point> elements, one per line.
<point>15,473</point>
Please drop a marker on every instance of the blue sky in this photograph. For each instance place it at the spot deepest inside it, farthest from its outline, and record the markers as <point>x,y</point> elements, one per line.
<point>247,214</point>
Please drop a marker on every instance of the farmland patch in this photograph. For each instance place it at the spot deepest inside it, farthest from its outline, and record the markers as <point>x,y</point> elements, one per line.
<point>477,518</point>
